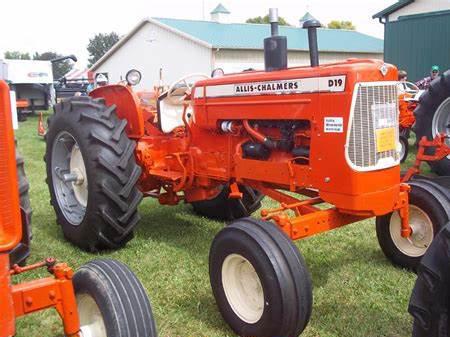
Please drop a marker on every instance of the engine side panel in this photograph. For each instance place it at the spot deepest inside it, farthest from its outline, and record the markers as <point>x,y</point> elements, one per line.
<point>324,99</point>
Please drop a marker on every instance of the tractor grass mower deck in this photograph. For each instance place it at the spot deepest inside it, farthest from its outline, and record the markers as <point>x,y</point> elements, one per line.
<point>327,133</point>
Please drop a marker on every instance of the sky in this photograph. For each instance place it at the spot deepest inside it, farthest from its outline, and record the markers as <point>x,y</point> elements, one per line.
<point>66,26</point>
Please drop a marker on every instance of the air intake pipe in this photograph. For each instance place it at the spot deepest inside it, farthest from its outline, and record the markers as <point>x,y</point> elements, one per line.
<point>312,26</point>
<point>63,58</point>
<point>275,46</point>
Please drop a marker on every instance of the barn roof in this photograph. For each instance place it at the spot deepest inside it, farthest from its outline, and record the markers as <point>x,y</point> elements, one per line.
<point>211,34</point>
<point>251,36</point>
<point>392,8</point>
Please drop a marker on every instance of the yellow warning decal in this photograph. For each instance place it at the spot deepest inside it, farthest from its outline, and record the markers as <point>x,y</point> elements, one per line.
<point>385,139</point>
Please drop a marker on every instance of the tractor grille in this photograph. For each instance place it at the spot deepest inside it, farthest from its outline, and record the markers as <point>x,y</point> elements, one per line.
<point>373,138</point>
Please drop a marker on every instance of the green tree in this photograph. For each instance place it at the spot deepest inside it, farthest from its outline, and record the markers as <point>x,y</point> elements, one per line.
<point>17,55</point>
<point>265,19</point>
<point>59,68</point>
<point>99,45</point>
<point>336,24</point>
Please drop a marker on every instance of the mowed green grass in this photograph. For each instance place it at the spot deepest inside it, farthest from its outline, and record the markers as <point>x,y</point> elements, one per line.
<point>357,292</point>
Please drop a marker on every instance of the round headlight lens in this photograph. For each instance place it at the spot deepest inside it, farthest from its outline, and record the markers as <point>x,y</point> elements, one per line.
<point>133,77</point>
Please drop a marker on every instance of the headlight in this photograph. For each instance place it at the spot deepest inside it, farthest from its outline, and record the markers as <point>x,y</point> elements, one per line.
<point>218,72</point>
<point>133,77</point>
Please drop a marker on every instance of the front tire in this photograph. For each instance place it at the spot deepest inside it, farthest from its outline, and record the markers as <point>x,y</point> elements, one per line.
<point>429,211</point>
<point>111,301</point>
<point>259,279</point>
<point>404,148</point>
<point>92,174</point>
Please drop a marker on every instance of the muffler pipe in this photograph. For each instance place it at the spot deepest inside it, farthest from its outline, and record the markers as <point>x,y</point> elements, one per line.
<point>312,26</point>
<point>273,19</point>
<point>275,46</point>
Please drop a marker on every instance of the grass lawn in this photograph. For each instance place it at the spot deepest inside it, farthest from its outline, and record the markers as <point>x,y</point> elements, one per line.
<point>357,292</point>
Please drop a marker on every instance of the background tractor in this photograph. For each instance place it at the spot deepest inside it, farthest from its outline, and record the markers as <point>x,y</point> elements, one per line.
<point>102,299</point>
<point>433,118</point>
<point>321,140</point>
<point>427,113</point>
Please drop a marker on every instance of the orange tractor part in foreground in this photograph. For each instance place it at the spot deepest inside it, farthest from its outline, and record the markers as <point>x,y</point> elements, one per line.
<point>326,133</point>
<point>103,299</point>
<point>17,300</point>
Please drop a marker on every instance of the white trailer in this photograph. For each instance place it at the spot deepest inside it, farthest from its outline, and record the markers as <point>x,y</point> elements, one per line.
<point>32,82</point>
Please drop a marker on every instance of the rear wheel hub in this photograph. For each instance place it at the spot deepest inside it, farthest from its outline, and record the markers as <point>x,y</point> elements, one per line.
<point>69,177</point>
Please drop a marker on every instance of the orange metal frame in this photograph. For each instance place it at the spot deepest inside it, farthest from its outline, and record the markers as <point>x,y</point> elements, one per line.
<point>406,108</point>
<point>22,103</point>
<point>50,292</point>
<point>198,157</point>
<point>441,150</point>
<point>27,297</point>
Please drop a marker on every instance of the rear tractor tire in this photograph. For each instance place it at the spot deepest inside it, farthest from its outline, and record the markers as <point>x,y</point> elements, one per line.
<point>21,252</point>
<point>429,211</point>
<point>221,207</point>
<point>111,301</point>
<point>433,117</point>
<point>92,174</point>
<point>430,299</point>
<point>259,280</point>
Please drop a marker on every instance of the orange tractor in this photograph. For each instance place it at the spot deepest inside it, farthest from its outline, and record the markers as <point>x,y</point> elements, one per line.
<point>321,140</point>
<point>102,299</point>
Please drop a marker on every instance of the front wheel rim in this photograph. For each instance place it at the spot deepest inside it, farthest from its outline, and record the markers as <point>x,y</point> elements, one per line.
<point>422,232</point>
<point>243,288</point>
<point>91,319</point>
<point>70,183</point>
<point>441,120</point>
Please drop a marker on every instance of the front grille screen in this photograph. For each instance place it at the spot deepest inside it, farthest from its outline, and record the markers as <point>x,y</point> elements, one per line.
<point>372,142</point>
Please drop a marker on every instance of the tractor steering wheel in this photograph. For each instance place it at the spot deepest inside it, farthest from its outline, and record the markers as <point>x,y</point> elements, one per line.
<point>181,89</point>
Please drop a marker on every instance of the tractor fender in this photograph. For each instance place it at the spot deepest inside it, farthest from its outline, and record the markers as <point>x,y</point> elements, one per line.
<point>127,106</point>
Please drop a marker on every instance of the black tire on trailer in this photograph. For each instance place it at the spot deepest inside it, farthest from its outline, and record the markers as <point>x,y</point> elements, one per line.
<point>433,116</point>
<point>259,280</point>
<point>21,252</point>
<point>429,211</point>
<point>223,208</point>
<point>404,148</point>
<point>92,174</point>
<point>111,301</point>
<point>430,299</point>
<point>21,115</point>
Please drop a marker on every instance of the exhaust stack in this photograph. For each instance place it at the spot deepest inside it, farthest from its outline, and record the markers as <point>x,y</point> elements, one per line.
<point>275,46</point>
<point>312,26</point>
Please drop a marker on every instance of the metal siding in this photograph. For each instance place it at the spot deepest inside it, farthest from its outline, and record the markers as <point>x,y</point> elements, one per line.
<point>152,48</point>
<point>416,43</point>
<point>420,6</point>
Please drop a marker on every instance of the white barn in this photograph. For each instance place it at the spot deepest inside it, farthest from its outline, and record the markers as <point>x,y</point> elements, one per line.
<point>172,48</point>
